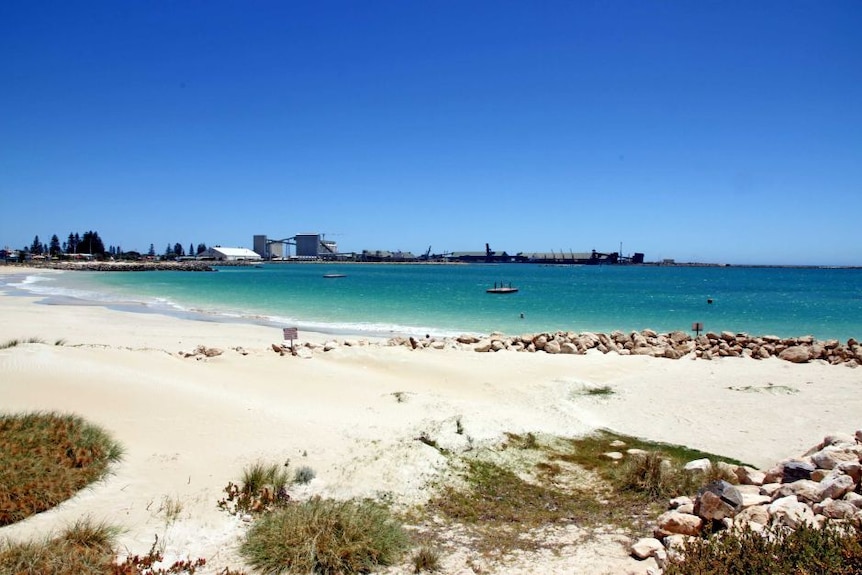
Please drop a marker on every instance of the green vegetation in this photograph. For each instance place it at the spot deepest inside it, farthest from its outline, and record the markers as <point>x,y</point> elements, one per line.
<point>324,536</point>
<point>533,482</point>
<point>263,486</point>
<point>85,548</point>
<point>426,559</point>
<point>303,475</point>
<point>832,550</point>
<point>45,458</point>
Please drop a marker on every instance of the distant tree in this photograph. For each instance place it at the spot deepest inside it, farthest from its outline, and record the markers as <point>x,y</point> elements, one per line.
<point>191,251</point>
<point>71,244</point>
<point>152,251</point>
<point>91,243</point>
<point>178,249</point>
<point>169,251</point>
<point>36,246</point>
<point>201,248</point>
<point>54,246</point>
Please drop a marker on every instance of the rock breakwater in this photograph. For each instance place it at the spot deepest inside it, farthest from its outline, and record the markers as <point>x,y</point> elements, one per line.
<point>674,345</point>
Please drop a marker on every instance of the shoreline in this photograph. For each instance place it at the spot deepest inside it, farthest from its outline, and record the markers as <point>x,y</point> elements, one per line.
<point>416,333</point>
<point>190,422</point>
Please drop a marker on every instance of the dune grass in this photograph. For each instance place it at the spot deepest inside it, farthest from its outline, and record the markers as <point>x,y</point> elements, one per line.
<point>84,548</point>
<point>534,482</point>
<point>324,536</point>
<point>45,458</point>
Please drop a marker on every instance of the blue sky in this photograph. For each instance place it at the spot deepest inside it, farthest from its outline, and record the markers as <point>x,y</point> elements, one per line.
<point>722,131</point>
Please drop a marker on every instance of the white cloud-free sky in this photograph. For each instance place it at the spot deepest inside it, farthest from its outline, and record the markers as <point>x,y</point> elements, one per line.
<point>707,131</point>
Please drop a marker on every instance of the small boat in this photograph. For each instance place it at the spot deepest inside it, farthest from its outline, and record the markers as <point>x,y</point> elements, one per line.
<point>332,276</point>
<point>501,289</point>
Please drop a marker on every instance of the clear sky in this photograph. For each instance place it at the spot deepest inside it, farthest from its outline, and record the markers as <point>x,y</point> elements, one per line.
<point>714,131</point>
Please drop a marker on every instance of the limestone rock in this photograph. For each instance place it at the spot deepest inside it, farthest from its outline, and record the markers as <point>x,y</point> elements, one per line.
<point>483,346</point>
<point>718,500</point>
<point>552,347</point>
<point>646,547</point>
<point>703,465</point>
<point>834,487</point>
<point>832,455</point>
<point>749,476</point>
<point>795,354</point>
<point>790,512</point>
<point>671,522</point>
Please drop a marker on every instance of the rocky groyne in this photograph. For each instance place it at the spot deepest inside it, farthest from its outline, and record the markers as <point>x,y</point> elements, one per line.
<point>99,266</point>
<point>820,486</point>
<point>674,345</point>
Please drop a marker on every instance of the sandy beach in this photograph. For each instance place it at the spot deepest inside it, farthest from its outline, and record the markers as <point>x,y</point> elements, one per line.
<point>190,424</point>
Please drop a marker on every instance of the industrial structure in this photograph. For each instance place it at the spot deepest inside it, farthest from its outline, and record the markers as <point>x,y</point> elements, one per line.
<point>221,254</point>
<point>307,246</point>
<point>314,246</point>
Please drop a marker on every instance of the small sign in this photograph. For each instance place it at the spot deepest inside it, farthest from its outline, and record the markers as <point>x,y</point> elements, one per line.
<point>290,333</point>
<point>697,327</point>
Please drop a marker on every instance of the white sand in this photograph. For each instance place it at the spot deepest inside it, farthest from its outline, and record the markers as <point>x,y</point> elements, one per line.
<point>189,426</point>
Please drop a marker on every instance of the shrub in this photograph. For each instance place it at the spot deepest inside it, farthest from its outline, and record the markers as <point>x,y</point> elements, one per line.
<point>304,475</point>
<point>45,458</point>
<point>426,559</point>
<point>324,536</point>
<point>832,550</point>
<point>263,486</point>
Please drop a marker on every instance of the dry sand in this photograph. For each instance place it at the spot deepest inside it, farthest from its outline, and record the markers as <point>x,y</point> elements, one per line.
<point>190,425</point>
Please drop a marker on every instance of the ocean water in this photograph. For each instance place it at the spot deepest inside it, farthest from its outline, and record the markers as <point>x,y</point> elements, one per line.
<point>405,299</point>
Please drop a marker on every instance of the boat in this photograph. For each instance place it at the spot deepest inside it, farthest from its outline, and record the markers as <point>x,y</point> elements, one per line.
<point>501,288</point>
<point>332,276</point>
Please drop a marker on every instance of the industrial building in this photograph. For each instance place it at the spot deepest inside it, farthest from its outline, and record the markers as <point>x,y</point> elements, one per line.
<point>308,246</point>
<point>222,254</point>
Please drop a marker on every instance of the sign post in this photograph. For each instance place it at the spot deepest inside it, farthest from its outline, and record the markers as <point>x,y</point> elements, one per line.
<point>290,334</point>
<point>697,327</point>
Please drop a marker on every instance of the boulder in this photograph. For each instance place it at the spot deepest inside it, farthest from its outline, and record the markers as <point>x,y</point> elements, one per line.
<point>552,347</point>
<point>569,348</point>
<point>790,512</point>
<point>805,489</point>
<point>483,346</point>
<point>711,506</point>
<point>646,547</point>
<point>836,486</point>
<point>749,476</point>
<point>836,509</point>
<point>795,354</point>
<point>703,465</point>
<point>796,470</point>
<point>718,500</point>
<point>671,522</point>
<point>831,455</point>
<point>755,514</point>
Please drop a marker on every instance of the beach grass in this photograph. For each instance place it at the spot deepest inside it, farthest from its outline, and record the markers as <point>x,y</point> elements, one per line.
<point>325,536</point>
<point>84,548</point>
<point>45,458</point>
<point>532,482</point>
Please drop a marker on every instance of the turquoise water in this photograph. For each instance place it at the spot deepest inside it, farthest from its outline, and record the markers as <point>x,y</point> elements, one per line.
<point>378,299</point>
